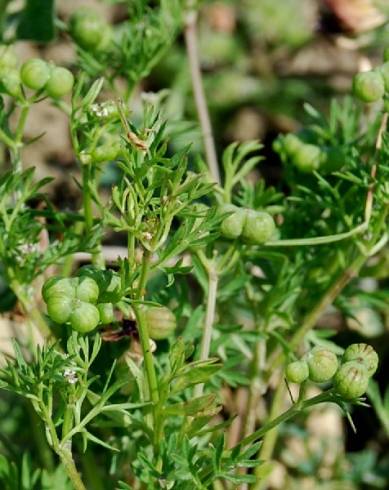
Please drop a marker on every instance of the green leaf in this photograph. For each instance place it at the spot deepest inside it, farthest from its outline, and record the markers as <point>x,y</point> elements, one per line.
<point>37,21</point>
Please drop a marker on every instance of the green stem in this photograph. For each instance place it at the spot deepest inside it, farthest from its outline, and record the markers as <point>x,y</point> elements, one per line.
<point>288,414</point>
<point>209,320</point>
<point>87,198</point>
<point>44,451</point>
<point>70,467</point>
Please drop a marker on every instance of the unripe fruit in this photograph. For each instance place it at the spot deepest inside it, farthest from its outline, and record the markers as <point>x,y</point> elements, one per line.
<point>161,322</point>
<point>84,317</point>
<point>107,150</point>
<point>35,73</point>
<point>60,82</point>
<point>364,354</point>
<point>307,158</point>
<point>108,281</point>
<point>88,28</point>
<point>10,82</point>
<point>292,144</point>
<point>258,227</point>
<point>87,290</point>
<point>232,226</point>
<point>59,308</point>
<point>297,372</point>
<point>351,380</point>
<point>106,312</point>
<point>8,58</point>
<point>368,86</point>
<point>322,364</point>
<point>58,286</point>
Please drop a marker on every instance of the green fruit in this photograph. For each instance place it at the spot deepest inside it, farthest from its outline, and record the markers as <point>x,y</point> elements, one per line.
<point>292,144</point>
<point>368,86</point>
<point>160,321</point>
<point>87,290</point>
<point>59,308</point>
<point>8,58</point>
<point>84,317</point>
<point>60,82</point>
<point>59,286</point>
<point>10,82</point>
<point>351,380</point>
<point>89,29</point>
<point>35,73</point>
<point>307,158</point>
<point>109,283</point>
<point>258,227</point>
<point>106,312</point>
<point>297,372</point>
<point>107,150</point>
<point>232,226</point>
<point>364,354</point>
<point>322,364</point>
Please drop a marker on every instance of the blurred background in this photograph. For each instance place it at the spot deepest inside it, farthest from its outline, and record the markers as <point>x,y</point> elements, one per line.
<point>262,60</point>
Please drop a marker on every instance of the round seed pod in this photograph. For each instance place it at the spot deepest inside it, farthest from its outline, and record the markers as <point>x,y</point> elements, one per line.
<point>88,28</point>
<point>59,286</point>
<point>85,317</point>
<point>87,290</point>
<point>8,58</point>
<point>297,372</point>
<point>351,380</point>
<point>60,83</point>
<point>364,354</point>
<point>10,82</point>
<point>259,227</point>
<point>106,312</point>
<point>109,283</point>
<point>307,158</point>
<point>161,321</point>
<point>35,73</point>
<point>368,86</point>
<point>59,308</point>
<point>322,364</point>
<point>232,226</point>
<point>292,144</point>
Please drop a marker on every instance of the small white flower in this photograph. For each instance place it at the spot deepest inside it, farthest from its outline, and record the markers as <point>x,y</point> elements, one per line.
<point>71,376</point>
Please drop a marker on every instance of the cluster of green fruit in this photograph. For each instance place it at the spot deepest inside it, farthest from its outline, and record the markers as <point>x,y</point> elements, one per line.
<point>84,301</point>
<point>372,86</point>
<point>89,300</point>
<point>90,30</point>
<point>255,227</point>
<point>350,377</point>
<point>307,157</point>
<point>35,74</point>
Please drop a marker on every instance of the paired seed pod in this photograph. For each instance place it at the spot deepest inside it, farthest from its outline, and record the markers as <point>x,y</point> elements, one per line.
<point>108,281</point>
<point>36,74</point>
<point>322,364</point>
<point>256,227</point>
<point>160,320</point>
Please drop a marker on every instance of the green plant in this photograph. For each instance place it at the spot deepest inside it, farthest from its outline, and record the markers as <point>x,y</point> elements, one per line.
<point>230,276</point>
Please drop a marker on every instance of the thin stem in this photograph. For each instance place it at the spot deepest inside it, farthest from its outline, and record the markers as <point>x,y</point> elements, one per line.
<point>87,198</point>
<point>190,34</point>
<point>209,320</point>
<point>288,414</point>
<point>70,467</point>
